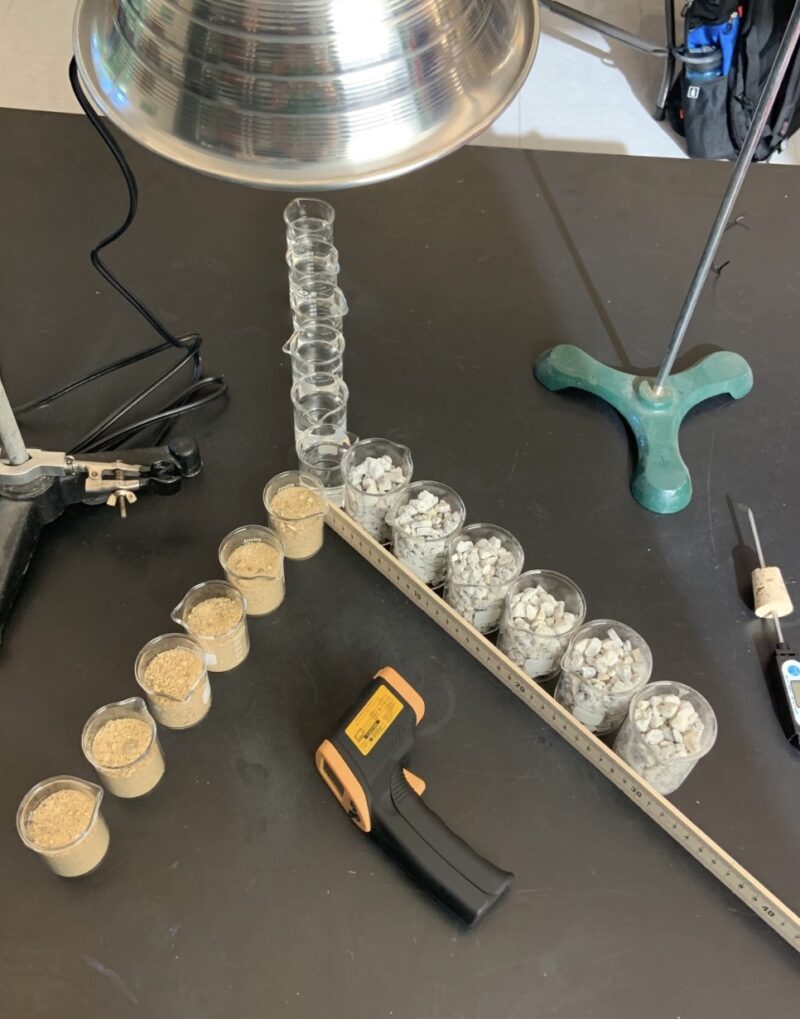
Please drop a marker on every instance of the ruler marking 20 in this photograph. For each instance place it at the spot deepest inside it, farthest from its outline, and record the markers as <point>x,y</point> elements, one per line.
<point>713,857</point>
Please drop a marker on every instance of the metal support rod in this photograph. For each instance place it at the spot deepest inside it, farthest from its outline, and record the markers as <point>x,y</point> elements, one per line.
<point>669,62</point>
<point>605,28</point>
<point>763,110</point>
<point>10,436</point>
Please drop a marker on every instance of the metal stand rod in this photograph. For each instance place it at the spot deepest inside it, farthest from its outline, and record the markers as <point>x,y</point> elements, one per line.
<point>669,63</point>
<point>604,28</point>
<point>763,110</point>
<point>10,436</point>
<point>668,52</point>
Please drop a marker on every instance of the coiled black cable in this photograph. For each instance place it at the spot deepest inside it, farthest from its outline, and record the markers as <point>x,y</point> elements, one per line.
<point>201,391</point>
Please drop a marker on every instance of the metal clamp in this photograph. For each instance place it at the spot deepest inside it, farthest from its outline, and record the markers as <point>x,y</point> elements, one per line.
<point>43,463</point>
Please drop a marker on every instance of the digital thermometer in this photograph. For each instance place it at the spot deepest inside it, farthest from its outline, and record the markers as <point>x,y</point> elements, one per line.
<point>771,601</point>
<point>784,679</point>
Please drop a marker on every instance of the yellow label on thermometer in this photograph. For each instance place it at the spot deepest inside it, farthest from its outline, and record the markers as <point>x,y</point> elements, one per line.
<point>374,719</point>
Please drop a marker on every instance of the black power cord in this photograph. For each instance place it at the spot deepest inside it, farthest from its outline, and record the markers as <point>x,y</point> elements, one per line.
<point>202,390</point>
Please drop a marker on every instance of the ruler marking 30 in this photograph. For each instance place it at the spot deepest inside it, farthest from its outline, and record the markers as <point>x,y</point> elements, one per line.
<point>686,833</point>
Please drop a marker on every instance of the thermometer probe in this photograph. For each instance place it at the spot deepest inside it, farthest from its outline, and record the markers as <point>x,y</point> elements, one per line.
<point>783,673</point>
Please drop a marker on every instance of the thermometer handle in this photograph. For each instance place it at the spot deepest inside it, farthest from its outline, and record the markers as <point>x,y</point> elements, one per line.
<point>784,681</point>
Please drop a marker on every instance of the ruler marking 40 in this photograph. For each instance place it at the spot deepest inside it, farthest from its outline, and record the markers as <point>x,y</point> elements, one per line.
<point>686,833</point>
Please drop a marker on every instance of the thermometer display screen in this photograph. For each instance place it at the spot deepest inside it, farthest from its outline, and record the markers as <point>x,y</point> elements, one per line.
<point>796,691</point>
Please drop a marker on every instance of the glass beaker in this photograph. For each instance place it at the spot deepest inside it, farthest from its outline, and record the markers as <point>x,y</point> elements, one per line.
<point>370,509</point>
<point>320,301</point>
<point>319,399</point>
<point>320,451</point>
<point>295,502</point>
<point>311,316</point>
<point>424,550</point>
<point>315,349</point>
<point>309,217</point>
<point>663,761</point>
<point>537,644</point>
<point>605,664</point>
<point>69,834</point>
<point>171,669</point>
<point>303,229</point>
<point>480,601</point>
<point>304,280</point>
<point>120,741</point>
<point>323,252</point>
<point>252,558</point>
<point>316,382</point>
<point>327,363</point>
<point>220,629</point>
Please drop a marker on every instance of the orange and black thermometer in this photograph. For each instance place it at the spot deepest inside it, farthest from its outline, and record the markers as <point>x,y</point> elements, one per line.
<point>364,766</point>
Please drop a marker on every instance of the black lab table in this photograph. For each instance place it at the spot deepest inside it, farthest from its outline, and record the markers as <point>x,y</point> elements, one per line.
<point>239,889</point>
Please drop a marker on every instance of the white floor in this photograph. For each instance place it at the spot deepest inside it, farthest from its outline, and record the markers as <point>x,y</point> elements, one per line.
<point>585,93</point>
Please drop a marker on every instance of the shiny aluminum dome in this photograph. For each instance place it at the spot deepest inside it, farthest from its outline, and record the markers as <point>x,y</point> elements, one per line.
<point>308,94</point>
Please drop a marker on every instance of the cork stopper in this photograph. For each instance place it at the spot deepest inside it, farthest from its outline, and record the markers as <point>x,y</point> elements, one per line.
<point>769,593</point>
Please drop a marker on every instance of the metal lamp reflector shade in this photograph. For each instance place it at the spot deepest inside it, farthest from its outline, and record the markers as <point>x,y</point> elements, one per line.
<point>304,93</point>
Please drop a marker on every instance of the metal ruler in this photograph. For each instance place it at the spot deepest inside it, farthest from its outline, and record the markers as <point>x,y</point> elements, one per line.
<point>694,840</point>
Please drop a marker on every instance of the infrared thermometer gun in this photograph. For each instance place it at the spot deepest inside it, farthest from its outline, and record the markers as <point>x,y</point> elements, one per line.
<point>364,766</point>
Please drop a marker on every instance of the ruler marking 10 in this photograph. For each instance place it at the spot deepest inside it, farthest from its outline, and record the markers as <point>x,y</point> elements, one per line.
<point>713,857</point>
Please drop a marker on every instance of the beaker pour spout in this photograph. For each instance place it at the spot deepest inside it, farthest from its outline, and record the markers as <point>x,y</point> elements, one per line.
<point>177,614</point>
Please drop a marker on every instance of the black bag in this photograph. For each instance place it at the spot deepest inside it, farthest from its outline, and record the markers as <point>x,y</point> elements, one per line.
<point>728,53</point>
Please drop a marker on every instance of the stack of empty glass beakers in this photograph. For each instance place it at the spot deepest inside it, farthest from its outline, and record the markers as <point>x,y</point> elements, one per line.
<point>316,347</point>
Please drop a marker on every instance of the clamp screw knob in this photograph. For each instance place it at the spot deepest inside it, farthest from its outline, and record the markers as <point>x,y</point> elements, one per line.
<point>121,498</point>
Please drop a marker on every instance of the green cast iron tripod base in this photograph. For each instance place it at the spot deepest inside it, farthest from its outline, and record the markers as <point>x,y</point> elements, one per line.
<point>661,480</point>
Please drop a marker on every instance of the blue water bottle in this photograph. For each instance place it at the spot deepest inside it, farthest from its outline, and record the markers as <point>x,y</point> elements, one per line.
<point>703,63</point>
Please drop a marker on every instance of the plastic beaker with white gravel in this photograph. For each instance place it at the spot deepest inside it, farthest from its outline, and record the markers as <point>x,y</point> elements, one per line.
<point>424,518</point>
<point>483,561</point>
<point>542,612</point>
<point>605,665</point>
<point>376,472</point>
<point>669,728</point>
